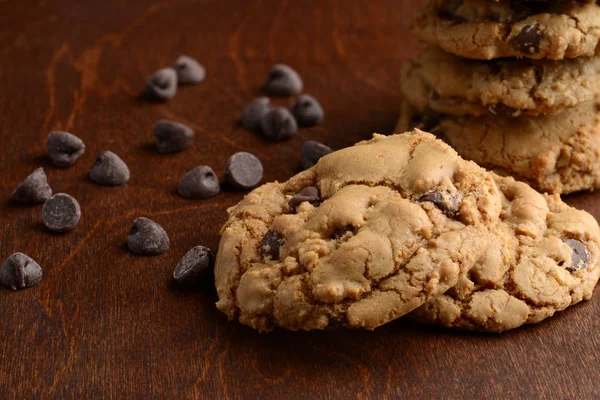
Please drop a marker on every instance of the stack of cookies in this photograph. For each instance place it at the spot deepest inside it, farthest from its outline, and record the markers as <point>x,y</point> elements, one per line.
<point>511,85</point>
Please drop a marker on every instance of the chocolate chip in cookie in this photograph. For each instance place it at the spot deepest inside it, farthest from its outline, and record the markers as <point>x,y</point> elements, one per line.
<point>270,244</point>
<point>343,231</point>
<point>447,203</point>
<point>308,194</point>
<point>528,40</point>
<point>581,256</point>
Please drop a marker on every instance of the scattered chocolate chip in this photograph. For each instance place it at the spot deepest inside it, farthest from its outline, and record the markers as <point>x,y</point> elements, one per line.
<point>528,40</point>
<point>448,204</point>
<point>194,266</point>
<point>61,213</point>
<point>20,271</point>
<point>283,81</point>
<point>244,170</point>
<point>64,148</point>
<point>278,124</point>
<point>162,85</point>
<point>147,238</point>
<point>254,112</point>
<point>312,151</point>
<point>109,169</point>
<point>308,194</point>
<point>308,111</point>
<point>271,244</point>
<point>581,256</point>
<point>34,189</point>
<point>199,183</point>
<point>343,231</point>
<point>172,136</point>
<point>502,110</point>
<point>189,71</point>
<point>426,121</point>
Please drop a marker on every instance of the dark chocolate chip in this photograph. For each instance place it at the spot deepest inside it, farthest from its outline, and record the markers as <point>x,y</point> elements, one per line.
<point>34,189</point>
<point>244,170</point>
<point>64,148</point>
<point>189,71</point>
<point>425,121</point>
<point>162,85</point>
<point>528,40</point>
<point>308,111</point>
<point>61,213</point>
<point>342,231</point>
<point>283,81</point>
<point>254,112</point>
<point>271,244</point>
<point>581,256</point>
<point>147,238</point>
<point>172,136</point>
<point>278,124</point>
<point>502,110</point>
<point>309,194</point>
<point>195,266</point>
<point>312,151</point>
<point>200,183</point>
<point>109,169</point>
<point>447,203</point>
<point>20,271</point>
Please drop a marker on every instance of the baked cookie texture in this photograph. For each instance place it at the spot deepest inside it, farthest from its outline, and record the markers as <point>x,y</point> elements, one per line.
<point>483,29</point>
<point>553,153</point>
<point>506,87</point>
<point>374,231</point>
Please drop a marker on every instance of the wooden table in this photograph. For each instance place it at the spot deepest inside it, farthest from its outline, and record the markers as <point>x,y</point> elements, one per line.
<point>106,324</point>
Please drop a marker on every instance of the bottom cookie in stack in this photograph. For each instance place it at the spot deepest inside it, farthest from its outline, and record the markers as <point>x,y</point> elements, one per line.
<point>553,153</point>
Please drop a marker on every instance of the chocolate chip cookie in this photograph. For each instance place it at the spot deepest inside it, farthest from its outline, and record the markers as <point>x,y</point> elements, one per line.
<point>553,153</point>
<point>483,29</point>
<point>549,263</point>
<point>374,231</point>
<point>507,87</point>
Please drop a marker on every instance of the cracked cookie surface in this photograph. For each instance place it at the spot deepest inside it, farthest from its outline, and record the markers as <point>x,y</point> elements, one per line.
<point>507,87</point>
<point>485,30</point>
<point>549,264</point>
<point>553,153</point>
<point>367,235</point>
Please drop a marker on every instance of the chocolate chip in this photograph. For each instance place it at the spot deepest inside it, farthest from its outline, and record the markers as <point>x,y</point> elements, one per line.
<point>283,81</point>
<point>20,271</point>
<point>189,71</point>
<point>581,256</point>
<point>312,151</point>
<point>309,194</point>
<point>64,148</point>
<point>426,121</point>
<point>271,244</point>
<point>109,169</point>
<point>61,213</point>
<point>194,266</point>
<point>308,111</point>
<point>34,189</point>
<point>254,112</point>
<point>528,40</point>
<point>502,110</point>
<point>147,238</point>
<point>343,231</point>
<point>447,203</point>
<point>199,183</point>
<point>172,136</point>
<point>162,85</point>
<point>278,124</point>
<point>244,170</point>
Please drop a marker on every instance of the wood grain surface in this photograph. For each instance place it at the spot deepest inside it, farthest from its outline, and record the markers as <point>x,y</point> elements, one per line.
<point>106,324</point>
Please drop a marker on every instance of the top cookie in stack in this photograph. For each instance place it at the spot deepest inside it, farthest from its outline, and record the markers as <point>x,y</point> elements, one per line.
<point>511,85</point>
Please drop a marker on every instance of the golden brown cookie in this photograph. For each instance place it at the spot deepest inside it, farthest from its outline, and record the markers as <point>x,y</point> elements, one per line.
<point>371,233</point>
<point>483,29</point>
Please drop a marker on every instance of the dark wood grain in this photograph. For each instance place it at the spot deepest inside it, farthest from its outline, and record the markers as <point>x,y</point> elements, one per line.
<point>107,324</point>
